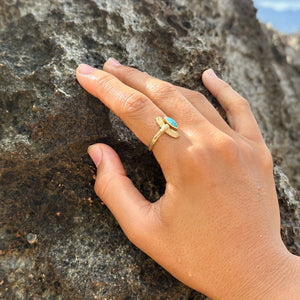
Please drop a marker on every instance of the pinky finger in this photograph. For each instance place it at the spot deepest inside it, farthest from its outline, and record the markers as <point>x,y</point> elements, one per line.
<point>238,111</point>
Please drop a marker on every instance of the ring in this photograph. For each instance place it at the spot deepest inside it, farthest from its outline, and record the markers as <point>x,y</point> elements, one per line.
<point>168,126</point>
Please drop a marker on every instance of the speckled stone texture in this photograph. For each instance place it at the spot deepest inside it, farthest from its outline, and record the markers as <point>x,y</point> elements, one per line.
<point>56,239</point>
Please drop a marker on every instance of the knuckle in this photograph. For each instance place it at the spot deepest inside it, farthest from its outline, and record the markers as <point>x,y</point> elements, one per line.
<point>239,104</point>
<point>102,186</point>
<point>159,88</point>
<point>104,83</point>
<point>224,88</point>
<point>132,73</point>
<point>224,145</point>
<point>195,158</point>
<point>133,103</point>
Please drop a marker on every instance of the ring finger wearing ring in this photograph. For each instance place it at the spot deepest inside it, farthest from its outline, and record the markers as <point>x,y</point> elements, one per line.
<point>137,111</point>
<point>168,126</point>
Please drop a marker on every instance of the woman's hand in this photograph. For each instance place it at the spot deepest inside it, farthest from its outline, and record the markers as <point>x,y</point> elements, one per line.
<point>217,227</point>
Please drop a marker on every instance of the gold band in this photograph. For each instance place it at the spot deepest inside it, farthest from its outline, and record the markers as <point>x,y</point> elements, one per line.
<point>168,126</point>
<point>158,135</point>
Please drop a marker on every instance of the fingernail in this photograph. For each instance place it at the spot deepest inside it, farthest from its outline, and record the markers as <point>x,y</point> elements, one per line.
<point>212,73</point>
<point>85,69</point>
<point>95,153</point>
<point>113,62</point>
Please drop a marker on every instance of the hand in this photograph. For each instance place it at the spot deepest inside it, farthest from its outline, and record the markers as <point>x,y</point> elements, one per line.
<point>217,227</point>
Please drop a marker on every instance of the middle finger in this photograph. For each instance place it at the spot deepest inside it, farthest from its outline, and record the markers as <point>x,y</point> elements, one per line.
<point>164,94</point>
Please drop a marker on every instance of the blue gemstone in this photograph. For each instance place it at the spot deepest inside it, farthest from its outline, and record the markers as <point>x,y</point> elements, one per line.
<point>172,122</point>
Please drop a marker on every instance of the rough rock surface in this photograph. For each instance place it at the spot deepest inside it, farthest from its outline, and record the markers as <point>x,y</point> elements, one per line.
<point>56,239</point>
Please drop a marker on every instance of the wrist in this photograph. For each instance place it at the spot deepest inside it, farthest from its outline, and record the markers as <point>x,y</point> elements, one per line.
<point>290,288</point>
<point>275,276</point>
<point>263,274</point>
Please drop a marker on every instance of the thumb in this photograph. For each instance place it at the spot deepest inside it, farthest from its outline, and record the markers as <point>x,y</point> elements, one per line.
<point>117,191</point>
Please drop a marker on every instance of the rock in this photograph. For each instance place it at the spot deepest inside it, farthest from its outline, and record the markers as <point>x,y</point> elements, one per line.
<point>48,121</point>
<point>31,238</point>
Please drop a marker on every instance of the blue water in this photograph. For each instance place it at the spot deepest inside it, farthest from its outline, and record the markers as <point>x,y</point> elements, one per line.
<point>283,15</point>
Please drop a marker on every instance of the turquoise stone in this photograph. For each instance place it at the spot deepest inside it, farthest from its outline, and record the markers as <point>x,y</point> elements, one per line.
<point>171,122</point>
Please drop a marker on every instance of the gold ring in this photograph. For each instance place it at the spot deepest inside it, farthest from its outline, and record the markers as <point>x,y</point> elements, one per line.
<point>168,126</point>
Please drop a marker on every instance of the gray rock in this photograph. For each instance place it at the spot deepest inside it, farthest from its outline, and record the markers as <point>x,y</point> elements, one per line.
<point>47,122</point>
